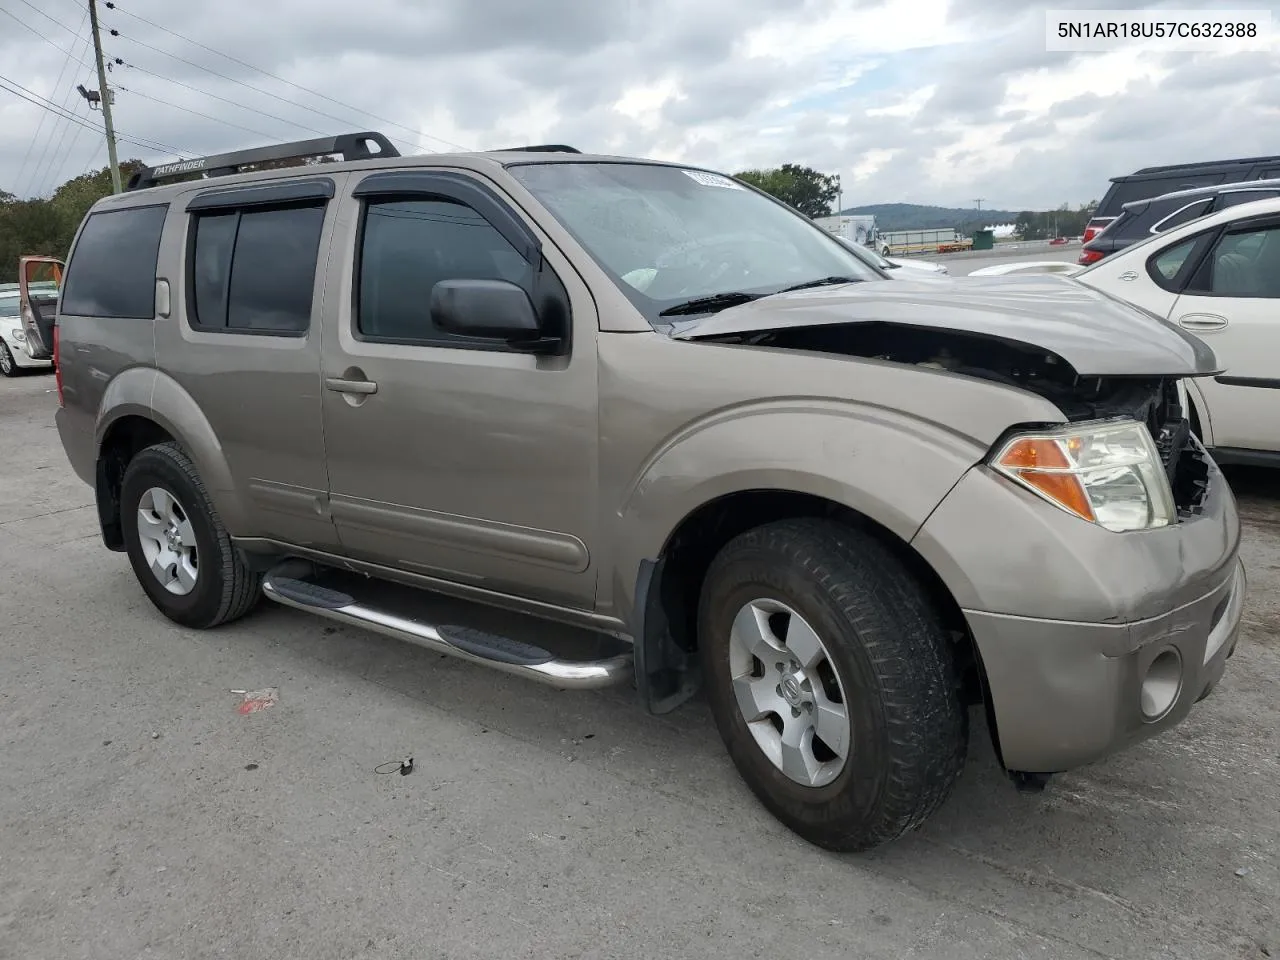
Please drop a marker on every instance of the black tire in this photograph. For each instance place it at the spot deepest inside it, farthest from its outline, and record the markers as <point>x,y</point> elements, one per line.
<point>8,366</point>
<point>895,663</point>
<point>225,588</point>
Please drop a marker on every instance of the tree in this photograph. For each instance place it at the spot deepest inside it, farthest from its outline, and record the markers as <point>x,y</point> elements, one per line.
<point>47,227</point>
<point>805,189</point>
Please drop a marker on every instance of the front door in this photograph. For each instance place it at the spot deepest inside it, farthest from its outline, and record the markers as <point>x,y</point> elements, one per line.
<point>1233,303</point>
<point>457,458</point>
<point>39,281</point>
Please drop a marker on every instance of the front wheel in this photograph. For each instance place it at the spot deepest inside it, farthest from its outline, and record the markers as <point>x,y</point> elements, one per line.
<point>832,682</point>
<point>177,545</point>
<point>8,366</point>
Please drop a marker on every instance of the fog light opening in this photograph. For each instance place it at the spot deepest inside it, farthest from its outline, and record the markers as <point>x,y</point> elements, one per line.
<point>1161,685</point>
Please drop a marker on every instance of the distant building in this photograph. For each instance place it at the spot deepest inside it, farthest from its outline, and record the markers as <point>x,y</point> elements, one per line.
<point>1002,231</point>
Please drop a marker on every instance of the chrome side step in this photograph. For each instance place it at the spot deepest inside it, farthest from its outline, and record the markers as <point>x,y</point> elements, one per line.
<point>502,653</point>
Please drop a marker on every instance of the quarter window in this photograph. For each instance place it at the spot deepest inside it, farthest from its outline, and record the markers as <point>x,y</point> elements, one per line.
<point>113,268</point>
<point>409,246</point>
<point>1237,197</point>
<point>1183,215</point>
<point>254,270</point>
<point>1168,264</point>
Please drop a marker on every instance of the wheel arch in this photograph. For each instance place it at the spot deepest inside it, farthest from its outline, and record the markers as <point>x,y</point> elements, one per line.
<point>670,584</point>
<point>142,407</point>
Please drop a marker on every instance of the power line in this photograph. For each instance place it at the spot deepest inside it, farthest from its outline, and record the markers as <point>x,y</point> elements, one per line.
<point>204,93</point>
<point>223,76</point>
<point>58,168</point>
<point>58,47</point>
<point>297,86</point>
<point>62,136</point>
<point>196,113</point>
<point>35,138</point>
<point>56,23</point>
<point>46,104</point>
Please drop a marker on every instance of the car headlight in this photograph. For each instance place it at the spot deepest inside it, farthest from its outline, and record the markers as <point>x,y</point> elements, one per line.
<point>1106,472</point>
<point>18,335</point>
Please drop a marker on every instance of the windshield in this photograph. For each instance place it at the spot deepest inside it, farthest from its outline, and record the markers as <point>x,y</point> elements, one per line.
<point>669,235</point>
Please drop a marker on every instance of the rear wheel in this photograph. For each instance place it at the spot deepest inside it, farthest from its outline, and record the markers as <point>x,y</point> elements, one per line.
<point>177,545</point>
<point>832,682</point>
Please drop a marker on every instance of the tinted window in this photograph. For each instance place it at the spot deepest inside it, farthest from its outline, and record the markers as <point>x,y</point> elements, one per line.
<point>1236,198</point>
<point>113,270</point>
<point>255,269</point>
<point>411,245</point>
<point>1246,264</point>
<point>274,270</point>
<point>215,236</point>
<point>1183,214</point>
<point>1168,264</point>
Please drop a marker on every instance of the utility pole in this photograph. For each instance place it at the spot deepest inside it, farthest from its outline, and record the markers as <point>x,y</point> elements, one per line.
<point>105,92</point>
<point>977,200</point>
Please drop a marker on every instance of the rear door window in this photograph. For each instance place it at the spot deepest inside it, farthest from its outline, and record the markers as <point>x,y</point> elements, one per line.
<point>254,270</point>
<point>112,273</point>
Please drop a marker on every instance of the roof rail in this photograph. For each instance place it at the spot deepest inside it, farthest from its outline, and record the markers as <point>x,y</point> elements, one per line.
<point>351,146</point>
<point>540,148</point>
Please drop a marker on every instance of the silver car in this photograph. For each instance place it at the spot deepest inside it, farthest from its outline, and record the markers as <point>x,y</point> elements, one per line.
<point>656,429</point>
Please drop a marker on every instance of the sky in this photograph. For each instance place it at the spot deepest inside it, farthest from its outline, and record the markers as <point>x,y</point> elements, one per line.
<point>916,101</point>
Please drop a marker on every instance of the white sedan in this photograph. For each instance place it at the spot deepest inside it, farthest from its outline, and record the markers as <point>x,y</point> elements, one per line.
<point>1218,278</point>
<point>914,269</point>
<point>13,342</point>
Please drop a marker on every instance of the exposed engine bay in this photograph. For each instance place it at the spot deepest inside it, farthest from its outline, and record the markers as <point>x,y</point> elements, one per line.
<point>1150,400</point>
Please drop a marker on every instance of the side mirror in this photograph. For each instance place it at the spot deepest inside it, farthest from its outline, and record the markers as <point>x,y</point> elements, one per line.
<point>493,309</point>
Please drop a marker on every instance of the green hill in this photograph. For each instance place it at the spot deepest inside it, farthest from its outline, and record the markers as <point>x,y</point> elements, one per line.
<point>914,216</point>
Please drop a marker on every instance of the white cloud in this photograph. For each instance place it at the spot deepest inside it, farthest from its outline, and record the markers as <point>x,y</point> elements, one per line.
<point>908,100</point>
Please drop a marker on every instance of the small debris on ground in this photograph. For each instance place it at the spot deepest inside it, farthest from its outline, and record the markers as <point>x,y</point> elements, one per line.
<point>251,766</point>
<point>255,700</point>
<point>1244,871</point>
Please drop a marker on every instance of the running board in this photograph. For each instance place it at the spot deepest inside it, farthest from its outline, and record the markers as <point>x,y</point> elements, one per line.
<point>502,653</point>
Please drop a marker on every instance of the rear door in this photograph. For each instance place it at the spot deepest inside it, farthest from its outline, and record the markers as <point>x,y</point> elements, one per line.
<point>39,283</point>
<point>1233,303</point>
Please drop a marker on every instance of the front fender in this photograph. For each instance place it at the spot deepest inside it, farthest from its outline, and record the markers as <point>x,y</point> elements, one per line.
<point>887,465</point>
<point>148,393</point>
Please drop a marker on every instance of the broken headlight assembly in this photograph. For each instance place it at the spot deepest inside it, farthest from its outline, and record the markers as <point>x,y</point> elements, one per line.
<point>1106,472</point>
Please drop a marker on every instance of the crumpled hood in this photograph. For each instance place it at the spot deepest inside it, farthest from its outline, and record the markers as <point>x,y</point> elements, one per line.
<point>1096,334</point>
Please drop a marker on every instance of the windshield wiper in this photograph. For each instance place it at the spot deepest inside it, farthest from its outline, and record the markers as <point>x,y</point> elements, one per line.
<point>717,301</point>
<point>823,282</point>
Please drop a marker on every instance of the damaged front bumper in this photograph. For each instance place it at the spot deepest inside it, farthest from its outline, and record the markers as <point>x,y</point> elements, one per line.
<point>1089,640</point>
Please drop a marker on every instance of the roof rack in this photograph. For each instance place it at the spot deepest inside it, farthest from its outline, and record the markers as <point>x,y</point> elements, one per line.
<point>351,146</point>
<point>540,148</point>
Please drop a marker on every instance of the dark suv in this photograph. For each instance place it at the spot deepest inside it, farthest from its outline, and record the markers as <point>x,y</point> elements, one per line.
<point>1156,181</point>
<point>1142,218</point>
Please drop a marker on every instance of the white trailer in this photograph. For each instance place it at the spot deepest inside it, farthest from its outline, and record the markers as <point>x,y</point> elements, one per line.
<point>902,242</point>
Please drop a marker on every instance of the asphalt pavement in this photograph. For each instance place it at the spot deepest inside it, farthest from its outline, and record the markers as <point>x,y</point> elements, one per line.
<point>144,814</point>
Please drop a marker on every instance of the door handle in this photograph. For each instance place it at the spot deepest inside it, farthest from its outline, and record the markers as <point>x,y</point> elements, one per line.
<point>340,385</point>
<point>1202,321</point>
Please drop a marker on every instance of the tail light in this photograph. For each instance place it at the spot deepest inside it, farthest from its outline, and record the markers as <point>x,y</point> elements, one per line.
<point>57,363</point>
<point>1090,256</point>
<point>1090,233</point>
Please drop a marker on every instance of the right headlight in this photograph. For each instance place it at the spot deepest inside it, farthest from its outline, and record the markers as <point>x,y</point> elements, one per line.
<point>1107,472</point>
